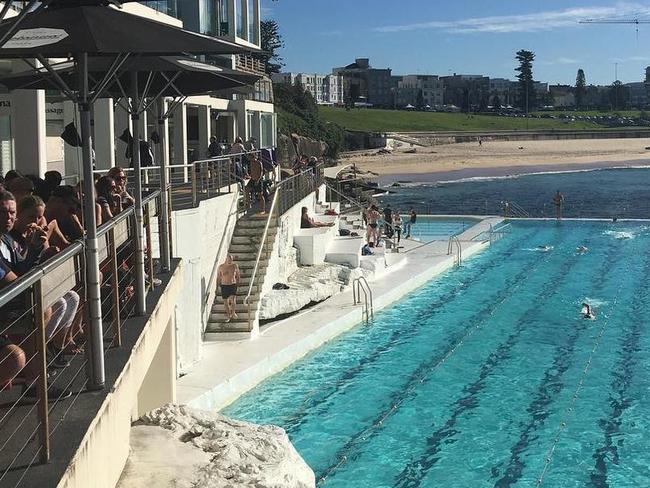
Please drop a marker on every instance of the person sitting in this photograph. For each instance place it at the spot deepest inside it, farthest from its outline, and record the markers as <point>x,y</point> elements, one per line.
<point>63,207</point>
<point>214,148</point>
<point>108,198</point>
<point>20,187</point>
<point>31,211</point>
<point>306,222</point>
<point>587,312</point>
<point>118,174</point>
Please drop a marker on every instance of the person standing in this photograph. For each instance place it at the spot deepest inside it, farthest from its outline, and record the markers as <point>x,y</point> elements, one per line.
<point>214,148</point>
<point>413,217</point>
<point>388,218</point>
<point>372,233</point>
<point>558,200</point>
<point>228,277</point>
<point>397,225</point>
<point>254,186</point>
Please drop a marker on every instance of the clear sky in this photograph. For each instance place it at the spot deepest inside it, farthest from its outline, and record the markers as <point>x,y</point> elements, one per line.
<point>465,36</point>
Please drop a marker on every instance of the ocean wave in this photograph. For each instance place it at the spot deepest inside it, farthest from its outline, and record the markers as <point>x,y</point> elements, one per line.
<point>471,179</point>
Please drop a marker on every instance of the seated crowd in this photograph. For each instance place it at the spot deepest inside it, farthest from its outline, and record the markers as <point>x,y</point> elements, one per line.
<point>39,218</point>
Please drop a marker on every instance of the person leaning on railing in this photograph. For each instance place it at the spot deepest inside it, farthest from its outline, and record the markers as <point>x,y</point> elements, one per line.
<point>23,244</point>
<point>118,174</point>
<point>108,197</point>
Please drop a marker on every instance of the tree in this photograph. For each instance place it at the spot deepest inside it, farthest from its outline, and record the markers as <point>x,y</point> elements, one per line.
<point>527,99</point>
<point>271,42</point>
<point>581,89</point>
<point>483,103</point>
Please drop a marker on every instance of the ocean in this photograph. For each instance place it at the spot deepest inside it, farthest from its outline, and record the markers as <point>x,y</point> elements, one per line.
<point>603,193</point>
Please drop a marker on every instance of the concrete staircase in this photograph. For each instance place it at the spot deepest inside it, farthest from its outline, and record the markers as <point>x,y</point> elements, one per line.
<point>244,246</point>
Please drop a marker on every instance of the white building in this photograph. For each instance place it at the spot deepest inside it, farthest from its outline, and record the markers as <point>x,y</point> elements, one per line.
<point>32,121</point>
<point>326,89</point>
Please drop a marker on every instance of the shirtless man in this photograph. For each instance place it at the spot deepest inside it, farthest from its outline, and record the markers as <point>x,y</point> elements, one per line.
<point>373,233</point>
<point>228,279</point>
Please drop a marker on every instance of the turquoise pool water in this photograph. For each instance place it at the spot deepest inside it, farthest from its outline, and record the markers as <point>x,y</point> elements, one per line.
<point>487,376</point>
<point>429,229</point>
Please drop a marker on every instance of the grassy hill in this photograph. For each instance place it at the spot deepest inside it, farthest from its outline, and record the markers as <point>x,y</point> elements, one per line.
<point>376,120</point>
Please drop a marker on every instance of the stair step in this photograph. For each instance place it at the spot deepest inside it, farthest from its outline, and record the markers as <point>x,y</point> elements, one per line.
<point>232,326</point>
<point>250,231</point>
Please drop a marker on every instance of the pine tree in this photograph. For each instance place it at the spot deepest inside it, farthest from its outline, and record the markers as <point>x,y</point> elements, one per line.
<point>581,88</point>
<point>527,99</point>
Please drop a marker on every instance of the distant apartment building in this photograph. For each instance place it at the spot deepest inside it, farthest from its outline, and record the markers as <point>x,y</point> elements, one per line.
<point>503,90</point>
<point>637,93</point>
<point>326,89</point>
<point>362,82</point>
<point>465,90</point>
<point>562,95</point>
<point>411,89</point>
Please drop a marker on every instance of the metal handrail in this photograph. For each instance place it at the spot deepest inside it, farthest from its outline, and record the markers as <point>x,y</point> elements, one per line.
<point>454,241</point>
<point>358,285</point>
<point>349,199</point>
<point>213,274</point>
<point>22,283</point>
<point>259,255</point>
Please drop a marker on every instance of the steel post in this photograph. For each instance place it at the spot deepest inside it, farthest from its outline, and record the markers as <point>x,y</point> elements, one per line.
<point>140,288</point>
<point>93,297</point>
<point>165,257</point>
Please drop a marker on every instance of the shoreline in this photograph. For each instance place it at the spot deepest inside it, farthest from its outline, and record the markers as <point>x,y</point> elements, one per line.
<point>501,172</point>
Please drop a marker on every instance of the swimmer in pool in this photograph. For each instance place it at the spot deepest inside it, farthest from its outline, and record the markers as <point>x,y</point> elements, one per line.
<point>587,312</point>
<point>582,249</point>
<point>544,248</point>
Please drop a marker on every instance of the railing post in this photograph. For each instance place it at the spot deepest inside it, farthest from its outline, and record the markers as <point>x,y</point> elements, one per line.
<point>41,361</point>
<point>193,176</point>
<point>165,198</point>
<point>147,225</point>
<point>140,289</point>
<point>115,290</point>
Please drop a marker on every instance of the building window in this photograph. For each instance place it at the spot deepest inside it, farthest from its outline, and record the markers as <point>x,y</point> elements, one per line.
<point>241,25</point>
<point>252,25</point>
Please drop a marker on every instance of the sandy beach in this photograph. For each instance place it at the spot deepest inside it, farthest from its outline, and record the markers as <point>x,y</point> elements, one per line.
<point>501,158</point>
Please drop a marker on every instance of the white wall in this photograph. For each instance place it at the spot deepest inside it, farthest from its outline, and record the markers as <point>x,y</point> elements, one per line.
<point>283,259</point>
<point>197,234</point>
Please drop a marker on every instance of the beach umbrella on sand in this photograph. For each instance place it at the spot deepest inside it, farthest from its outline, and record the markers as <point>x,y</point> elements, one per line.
<point>66,29</point>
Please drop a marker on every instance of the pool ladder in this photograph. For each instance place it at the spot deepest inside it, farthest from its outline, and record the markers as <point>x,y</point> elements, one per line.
<point>455,245</point>
<point>361,285</point>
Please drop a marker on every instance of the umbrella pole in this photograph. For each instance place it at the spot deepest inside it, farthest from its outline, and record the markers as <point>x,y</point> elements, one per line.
<point>95,329</point>
<point>140,290</point>
<point>165,257</point>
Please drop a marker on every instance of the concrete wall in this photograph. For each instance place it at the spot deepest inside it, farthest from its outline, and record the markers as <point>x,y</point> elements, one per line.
<point>147,381</point>
<point>283,260</point>
<point>197,234</point>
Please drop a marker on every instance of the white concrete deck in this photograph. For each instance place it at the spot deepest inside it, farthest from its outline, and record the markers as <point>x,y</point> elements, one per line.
<point>230,369</point>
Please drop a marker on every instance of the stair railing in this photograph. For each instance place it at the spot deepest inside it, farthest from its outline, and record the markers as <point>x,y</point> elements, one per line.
<point>213,275</point>
<point>354,202</point>
<point>358,285</point>
<point>259,253</point>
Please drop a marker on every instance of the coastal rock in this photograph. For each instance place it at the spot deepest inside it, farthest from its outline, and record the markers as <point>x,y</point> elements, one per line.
<point>220,453</point>
<point>307,285</point>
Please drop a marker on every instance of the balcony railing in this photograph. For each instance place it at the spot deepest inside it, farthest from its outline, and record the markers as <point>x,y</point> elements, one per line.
<point>244,62</point>
<point>44,324</point>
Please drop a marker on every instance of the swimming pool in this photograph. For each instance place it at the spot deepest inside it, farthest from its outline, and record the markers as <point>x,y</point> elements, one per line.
<point>488,375</point>
<point>437,228</point>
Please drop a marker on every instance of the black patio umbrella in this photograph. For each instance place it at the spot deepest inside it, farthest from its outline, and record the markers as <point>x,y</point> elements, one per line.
<point>168,76</point>
<point>65,29</point>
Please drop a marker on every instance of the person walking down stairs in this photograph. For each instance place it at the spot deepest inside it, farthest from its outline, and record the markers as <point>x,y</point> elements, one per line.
<point>227,279</point>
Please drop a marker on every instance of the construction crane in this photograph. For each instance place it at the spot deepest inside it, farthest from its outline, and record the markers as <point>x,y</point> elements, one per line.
<point>635,21</point>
